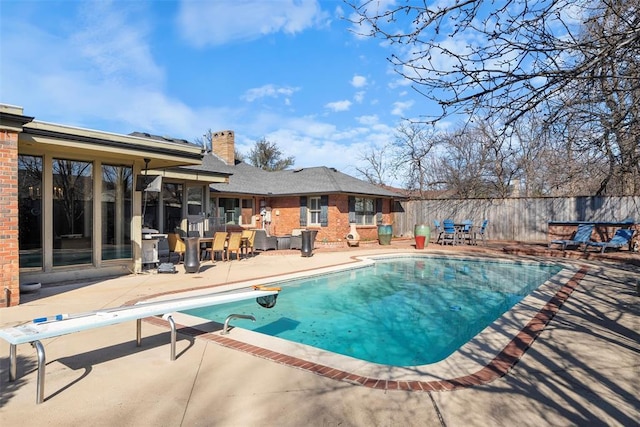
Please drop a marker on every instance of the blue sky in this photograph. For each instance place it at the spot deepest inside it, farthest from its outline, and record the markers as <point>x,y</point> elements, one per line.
<point>285,70</point>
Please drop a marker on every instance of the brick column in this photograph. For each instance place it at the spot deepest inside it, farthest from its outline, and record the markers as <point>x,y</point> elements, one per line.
<point>9,267</point>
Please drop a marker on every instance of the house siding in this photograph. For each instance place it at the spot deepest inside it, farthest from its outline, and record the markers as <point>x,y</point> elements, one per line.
<point>285,215</point>
<point>9,262</point>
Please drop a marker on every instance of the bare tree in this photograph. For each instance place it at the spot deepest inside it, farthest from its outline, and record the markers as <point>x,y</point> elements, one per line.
<point>504,59</point>
<point>413,148</point>
<point>266,155</point>
<point>377,168</point>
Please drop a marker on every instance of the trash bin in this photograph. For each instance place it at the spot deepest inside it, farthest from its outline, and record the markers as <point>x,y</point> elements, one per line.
<point>308,241</point>
<point>192,254</point>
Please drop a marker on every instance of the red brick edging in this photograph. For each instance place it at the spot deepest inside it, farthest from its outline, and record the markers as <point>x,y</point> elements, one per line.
<point>497,368</point>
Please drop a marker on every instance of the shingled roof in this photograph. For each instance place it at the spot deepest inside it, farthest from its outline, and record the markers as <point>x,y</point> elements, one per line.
<point>247,179</point>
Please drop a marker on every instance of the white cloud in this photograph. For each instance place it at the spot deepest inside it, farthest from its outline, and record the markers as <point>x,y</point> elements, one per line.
<point>269,90</point>
<point>219,22</point>
<point>399,108</point>
<point>358,81</point>
<point>368,120</point>
<point>359,96</point>
<point>339,105</point>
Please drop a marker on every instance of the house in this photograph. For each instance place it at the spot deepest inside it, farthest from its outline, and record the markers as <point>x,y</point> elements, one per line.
<point>74,202</point>
<point>317,198</point>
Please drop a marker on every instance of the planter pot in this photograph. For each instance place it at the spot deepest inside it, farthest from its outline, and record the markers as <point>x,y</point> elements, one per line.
<point>422,234</point>
<point>192,255</point>
<point>385,232</point>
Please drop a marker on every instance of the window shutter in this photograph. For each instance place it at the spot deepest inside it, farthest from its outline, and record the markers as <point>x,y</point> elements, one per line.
<point>303,211</point>
<point>352,209</point>
<point>379,210</point>
<point>324,211</point>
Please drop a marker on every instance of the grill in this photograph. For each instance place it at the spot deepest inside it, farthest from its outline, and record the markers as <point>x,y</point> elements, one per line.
<point>150,242</point>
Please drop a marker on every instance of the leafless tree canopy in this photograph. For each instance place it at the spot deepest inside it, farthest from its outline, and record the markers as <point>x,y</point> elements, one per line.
<point>266,155</point>
<point>574,65</point>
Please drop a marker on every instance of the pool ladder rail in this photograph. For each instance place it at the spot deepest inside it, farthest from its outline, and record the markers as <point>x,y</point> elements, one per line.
<point>225,328</point>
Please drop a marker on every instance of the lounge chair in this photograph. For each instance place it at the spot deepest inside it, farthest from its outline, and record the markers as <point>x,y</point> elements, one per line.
<point>621,238</point>
<point>581,237</point>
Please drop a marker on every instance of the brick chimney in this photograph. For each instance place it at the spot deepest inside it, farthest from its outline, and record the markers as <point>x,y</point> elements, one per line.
<point>223,146</point>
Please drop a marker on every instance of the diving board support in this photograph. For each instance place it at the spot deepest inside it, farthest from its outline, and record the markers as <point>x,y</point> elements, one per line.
<point>41,368</point>
<point>33,333</point>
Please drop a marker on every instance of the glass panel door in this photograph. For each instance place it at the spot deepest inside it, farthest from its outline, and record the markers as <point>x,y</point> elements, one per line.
<point>117,186</point>
<point>72,212</point>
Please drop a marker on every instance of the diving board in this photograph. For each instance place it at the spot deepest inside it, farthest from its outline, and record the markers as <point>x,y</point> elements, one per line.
<point>59,325</point>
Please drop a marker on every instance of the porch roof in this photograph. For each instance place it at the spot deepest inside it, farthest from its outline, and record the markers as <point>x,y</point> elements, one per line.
<point>37,136</point>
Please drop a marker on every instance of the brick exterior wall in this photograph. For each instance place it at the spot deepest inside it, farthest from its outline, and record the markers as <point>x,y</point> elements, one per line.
<point>9,266</point>
<point>285,216</point>
<point>223,145</point>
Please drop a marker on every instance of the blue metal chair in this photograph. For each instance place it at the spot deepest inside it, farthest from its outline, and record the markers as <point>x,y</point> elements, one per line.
<point>466,233</point>
<point>438,230</point>
<point>481,232</point>
<point>449,232</point>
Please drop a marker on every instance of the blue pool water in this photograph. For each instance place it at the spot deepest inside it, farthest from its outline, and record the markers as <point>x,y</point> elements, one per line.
<point>401,311</point>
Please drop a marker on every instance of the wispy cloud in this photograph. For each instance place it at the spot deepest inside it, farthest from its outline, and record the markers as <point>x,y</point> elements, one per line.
<point>220,22</point>
<point>339,105</point>
<point>270,90</point>
<point>399,108</point>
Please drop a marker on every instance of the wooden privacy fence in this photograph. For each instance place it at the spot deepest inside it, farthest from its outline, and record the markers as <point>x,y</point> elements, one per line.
<point>517,219</point>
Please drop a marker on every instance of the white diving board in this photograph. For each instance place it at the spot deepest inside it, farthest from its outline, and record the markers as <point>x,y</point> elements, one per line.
<point>35,331</point>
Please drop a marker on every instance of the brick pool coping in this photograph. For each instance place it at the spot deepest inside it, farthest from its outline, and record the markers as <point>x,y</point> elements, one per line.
<point>499,366</point>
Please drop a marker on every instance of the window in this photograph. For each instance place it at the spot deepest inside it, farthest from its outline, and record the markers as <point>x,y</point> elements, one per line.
<point>229,210</point>
<point>172,200</point>
<point>362,210</point>
<point>72,212</point>
<point>195,197</point>
<point>314,211</point>
<point>30,210</point>
<point>117,185</point>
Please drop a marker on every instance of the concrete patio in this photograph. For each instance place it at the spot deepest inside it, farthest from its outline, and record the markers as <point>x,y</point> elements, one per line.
<point>582,370</point>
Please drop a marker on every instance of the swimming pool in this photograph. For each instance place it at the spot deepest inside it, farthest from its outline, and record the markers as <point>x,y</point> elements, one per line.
<point>399,311</point>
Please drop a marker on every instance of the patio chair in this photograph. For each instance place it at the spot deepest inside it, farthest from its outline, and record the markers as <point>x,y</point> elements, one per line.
<point>217,247</point>
<point>466,232</point>
<point>296,239</point>
<point>263,242</point>
<point>249,237</point>
<point>449,232</point>
<point>234,245</point>
<point>621,238</point>
<point>437,230</point>
<point>481,232</point>
<point>581,237</point>
<point>177,245</point>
